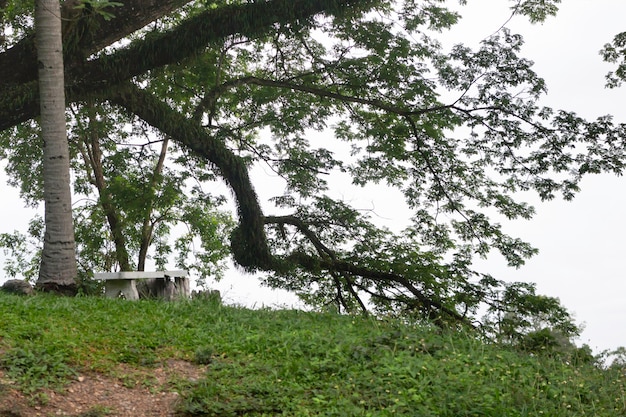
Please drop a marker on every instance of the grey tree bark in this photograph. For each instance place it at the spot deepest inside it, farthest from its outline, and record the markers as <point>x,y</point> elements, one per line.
<point>58,268</point>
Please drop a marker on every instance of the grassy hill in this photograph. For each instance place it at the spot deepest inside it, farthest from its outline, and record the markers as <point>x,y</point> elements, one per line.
<point>285,363</point>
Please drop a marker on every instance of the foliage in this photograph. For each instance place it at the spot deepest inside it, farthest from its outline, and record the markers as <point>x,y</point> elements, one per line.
<point>615,358</point>
<point>615,53</point>
<point>22,251</point>
<point>99,7</point>
<point>295,363</point>
<point>518,311</point>
<point>537,10</point>
<point>16,17</point>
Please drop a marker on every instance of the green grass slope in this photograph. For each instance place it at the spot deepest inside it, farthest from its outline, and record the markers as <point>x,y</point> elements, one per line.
<point>292,363</point>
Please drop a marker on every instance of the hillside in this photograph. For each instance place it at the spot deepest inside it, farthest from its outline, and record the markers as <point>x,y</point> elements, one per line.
<point>102,357</point>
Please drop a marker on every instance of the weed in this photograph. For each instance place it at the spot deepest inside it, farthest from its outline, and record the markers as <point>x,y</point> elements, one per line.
<point>34,367</point>
<point>203,356</point>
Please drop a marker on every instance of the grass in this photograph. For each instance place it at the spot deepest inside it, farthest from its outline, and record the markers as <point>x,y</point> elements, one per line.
<point>293,363</point>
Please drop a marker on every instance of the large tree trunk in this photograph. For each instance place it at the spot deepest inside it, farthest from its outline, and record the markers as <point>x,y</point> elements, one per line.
<point>58,269</point>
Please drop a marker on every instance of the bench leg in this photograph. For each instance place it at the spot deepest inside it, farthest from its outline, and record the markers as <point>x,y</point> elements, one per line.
<point>176,288</point>
<point>182,286</point>
<point>114,287</point>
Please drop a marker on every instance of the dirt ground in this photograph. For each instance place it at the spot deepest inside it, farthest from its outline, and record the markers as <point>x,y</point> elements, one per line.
<point>96,395</point>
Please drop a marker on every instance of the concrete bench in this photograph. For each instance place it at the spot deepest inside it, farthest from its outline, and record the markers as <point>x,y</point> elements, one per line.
<point>173,284</point>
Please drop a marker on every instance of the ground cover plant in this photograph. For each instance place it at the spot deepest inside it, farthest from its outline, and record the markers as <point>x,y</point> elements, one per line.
<point>290,363</point>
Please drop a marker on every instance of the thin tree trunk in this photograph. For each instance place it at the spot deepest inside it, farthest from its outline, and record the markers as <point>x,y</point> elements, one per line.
<point>58,270</point>
<point>148,226</point>
<point>112,214</point>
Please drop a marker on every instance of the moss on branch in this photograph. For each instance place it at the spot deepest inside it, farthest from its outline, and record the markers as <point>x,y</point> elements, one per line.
<point>97,77</point>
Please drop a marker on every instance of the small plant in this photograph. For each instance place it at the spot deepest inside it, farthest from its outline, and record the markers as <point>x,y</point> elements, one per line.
<point>99,7</point>
<point>88,286</point>
<point>203,356</point>
<point>211,296</point>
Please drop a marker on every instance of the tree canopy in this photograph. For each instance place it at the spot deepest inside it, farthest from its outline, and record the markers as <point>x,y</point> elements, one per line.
<point>236,84</point>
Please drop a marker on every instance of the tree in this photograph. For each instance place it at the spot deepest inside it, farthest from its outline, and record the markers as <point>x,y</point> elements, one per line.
<point>243,83</point>
<point>133,189</point>
<point>58,259</point>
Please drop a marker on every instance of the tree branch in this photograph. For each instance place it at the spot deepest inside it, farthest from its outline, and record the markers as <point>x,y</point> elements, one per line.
<point>249,241</point>
<point>18,94</point>
<point>334,265</point>
<point>321,92</point>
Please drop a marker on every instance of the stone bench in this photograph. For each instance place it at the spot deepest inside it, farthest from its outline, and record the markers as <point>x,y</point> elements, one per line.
<point>168,284</point>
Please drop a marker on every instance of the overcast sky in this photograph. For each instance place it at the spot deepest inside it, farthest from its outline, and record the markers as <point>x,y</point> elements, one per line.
<point>581,243</point>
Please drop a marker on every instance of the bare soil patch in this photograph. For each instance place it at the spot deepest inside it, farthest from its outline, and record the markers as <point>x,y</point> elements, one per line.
<point>135,392</point>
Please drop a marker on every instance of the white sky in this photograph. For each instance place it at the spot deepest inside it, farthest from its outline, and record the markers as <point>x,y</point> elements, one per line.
<point>581,242</point>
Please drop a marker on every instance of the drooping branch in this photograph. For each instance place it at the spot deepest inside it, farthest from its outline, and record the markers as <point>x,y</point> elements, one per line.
<point>249,242</point>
